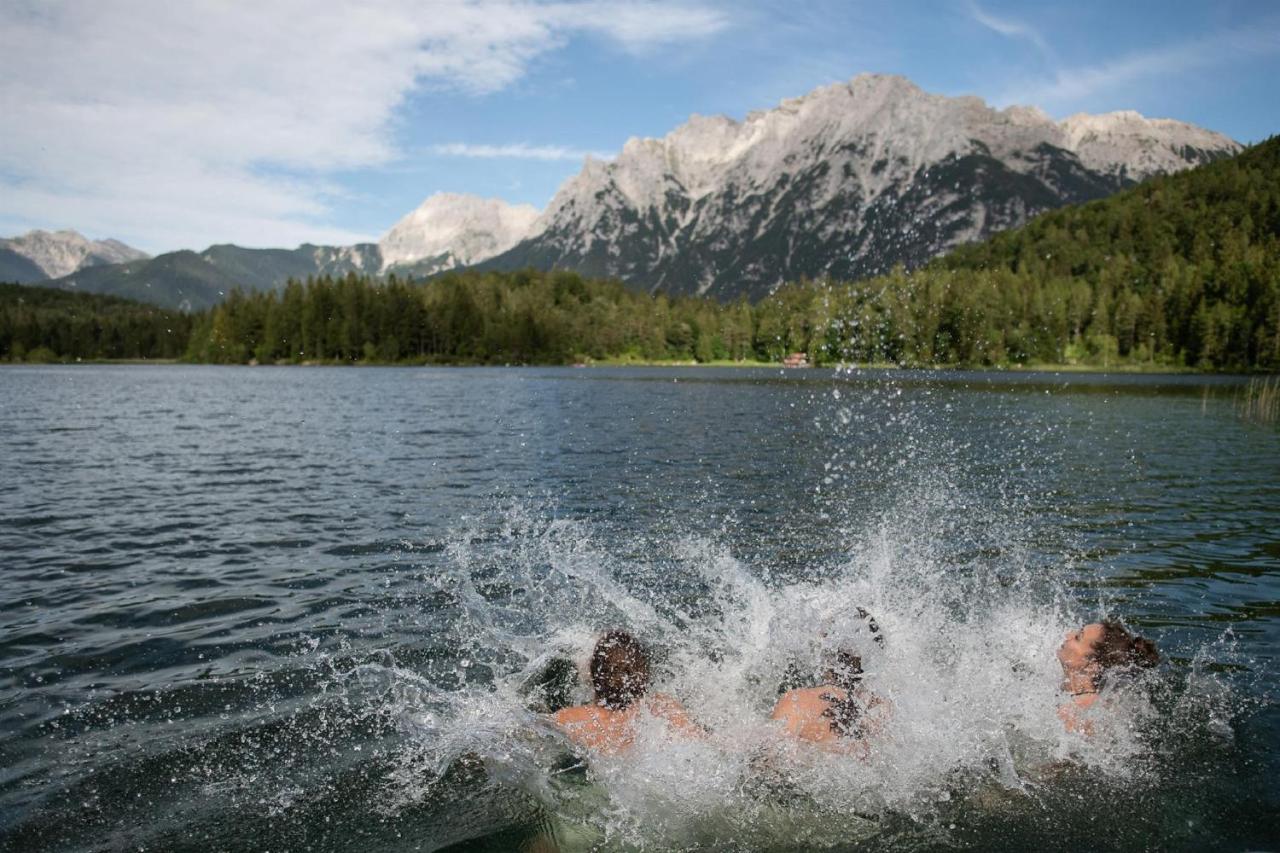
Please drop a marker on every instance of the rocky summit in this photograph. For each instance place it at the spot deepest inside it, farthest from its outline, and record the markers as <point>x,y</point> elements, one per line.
<point>39,255</point>
<point>845,182</point>
<point>452,230</point>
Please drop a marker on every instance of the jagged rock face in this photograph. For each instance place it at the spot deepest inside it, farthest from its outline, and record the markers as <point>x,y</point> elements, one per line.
<point>338,260</point>
<point>50,254</point>
<point>844,182</point>
<point>450,230</point>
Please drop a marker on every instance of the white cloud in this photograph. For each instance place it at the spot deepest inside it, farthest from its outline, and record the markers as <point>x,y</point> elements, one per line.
<point>1070,88</point>
<point>1011,29</point>
<point>178,124</point>
<point>517,151</point>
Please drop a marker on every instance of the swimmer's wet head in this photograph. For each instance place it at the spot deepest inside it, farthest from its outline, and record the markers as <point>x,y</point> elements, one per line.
<point>844,670</point>
<point>621,678</point>
<point>620,671</point>
<point>1101,650</point>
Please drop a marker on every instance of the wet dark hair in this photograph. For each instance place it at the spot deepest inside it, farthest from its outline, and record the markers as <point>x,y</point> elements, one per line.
<point>1119,651</point>
<point>619,670</point>
<point>845,671</point>
<point>845,714</point>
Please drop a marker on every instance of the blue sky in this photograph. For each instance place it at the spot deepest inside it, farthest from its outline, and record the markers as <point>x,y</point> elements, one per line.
<point>180,125</point>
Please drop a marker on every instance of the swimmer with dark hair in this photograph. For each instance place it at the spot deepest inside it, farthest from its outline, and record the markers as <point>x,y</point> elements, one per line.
<point>840,713</point>
<point>1094,657</point>
<point>621,680</point>
<point>837,715</point>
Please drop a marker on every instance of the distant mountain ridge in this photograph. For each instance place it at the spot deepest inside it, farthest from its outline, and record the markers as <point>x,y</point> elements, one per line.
<point>844,182</point>
<point>446,232</point>
<point>195,280</point>
<point>39,255</point>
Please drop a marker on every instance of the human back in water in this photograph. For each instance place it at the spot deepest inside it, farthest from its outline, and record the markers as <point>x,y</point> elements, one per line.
<point>621,680</point>
<point>837,715</point>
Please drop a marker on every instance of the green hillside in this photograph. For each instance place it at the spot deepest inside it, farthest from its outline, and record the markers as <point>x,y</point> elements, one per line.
<point>1190,261</point>
<point>1180,271</point>
<point>44,324</point>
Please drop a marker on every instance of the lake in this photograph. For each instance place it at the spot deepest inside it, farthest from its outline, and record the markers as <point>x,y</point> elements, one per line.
<point>292,608</point>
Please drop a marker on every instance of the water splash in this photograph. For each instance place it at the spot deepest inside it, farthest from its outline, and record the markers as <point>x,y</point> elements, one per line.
<point>968,667</point>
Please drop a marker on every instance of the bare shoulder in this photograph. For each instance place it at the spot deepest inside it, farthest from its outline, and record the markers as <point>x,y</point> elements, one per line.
<point>664,703</point>
<point>668,708</point>
<point>674,712</point>
<point>805,700</point>
<point>575,716</point>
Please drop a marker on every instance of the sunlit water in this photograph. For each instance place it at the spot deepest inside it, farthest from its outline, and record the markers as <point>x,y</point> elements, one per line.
<point>303,608</point>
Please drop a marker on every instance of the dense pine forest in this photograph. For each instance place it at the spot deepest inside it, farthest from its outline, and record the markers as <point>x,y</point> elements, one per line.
<point>1181,271</point>
<point>41,324</point>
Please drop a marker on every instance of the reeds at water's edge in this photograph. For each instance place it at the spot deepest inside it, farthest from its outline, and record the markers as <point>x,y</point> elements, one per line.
<point>1259,401</point>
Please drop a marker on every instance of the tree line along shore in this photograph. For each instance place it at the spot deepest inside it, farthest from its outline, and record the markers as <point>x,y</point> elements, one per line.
<point>1180,272</point>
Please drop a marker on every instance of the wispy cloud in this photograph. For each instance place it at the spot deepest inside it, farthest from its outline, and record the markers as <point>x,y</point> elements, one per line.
<point>518,151</point>
<point>1011,29</point>
<point>177,124</point>
<point>1071,87</point>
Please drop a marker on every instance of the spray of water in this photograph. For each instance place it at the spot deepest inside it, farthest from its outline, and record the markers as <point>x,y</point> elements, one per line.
<point>967,666</point>
<point>970,624</point>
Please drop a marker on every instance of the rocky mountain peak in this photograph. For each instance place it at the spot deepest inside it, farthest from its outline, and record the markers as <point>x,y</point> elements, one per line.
<point>845,181</point>
<point>59,253</point>
<point>455,230</point>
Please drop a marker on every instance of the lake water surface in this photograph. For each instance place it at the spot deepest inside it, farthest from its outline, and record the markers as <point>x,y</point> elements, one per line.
<point>299,609</point>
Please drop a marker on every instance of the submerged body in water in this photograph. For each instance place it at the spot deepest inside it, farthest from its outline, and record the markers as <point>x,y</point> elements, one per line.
<point>824,754</point>
<point>1094,657</point>
<point>620,679</point>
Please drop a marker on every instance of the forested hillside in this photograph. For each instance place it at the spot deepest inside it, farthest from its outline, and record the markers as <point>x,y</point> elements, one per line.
<point>1187,265</point>
<point>1182,271</point>
<point>469,317</point>
<point>44,324</point>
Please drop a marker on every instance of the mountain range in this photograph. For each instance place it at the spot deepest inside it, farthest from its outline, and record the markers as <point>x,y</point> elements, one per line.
<point>40,255</point>
<point>845,182</point>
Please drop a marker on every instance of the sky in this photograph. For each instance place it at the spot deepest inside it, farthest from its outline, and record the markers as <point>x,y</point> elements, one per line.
<point>276,122</point>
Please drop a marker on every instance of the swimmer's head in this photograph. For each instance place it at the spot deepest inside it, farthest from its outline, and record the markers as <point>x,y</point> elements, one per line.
<point>1103,648</point>
<point>619,670</point>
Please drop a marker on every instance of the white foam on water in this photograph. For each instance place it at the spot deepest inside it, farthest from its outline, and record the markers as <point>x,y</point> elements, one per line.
<point>968,667</point>
<point>970,625</point>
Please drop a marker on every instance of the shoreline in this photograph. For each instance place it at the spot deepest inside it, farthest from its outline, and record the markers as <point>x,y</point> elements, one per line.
<point>1130,369</point>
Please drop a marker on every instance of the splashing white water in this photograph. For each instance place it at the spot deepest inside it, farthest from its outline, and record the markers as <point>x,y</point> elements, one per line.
<point>967,666</point>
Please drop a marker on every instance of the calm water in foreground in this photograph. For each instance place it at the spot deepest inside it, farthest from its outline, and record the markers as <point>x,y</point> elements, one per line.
<point>299,609</point>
